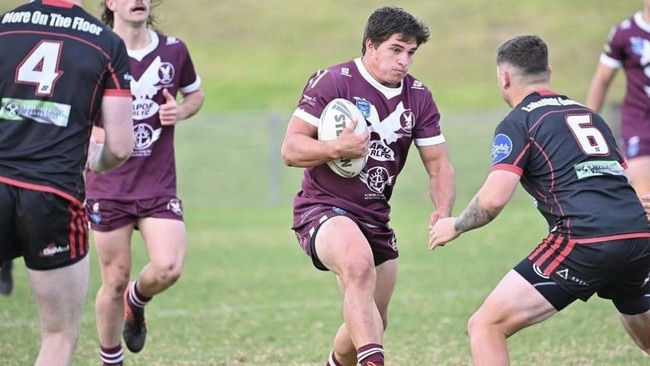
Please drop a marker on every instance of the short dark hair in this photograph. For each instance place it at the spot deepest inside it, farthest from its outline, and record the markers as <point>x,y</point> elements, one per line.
<point>108,17</point>
<point>528,53</point>
<point>389,20</point>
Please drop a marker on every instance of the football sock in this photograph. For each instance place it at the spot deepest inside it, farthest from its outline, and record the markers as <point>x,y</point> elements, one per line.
<point>371,355</point>
<point>111,356</point>
<point>332,361</point>
<point>136,299</point>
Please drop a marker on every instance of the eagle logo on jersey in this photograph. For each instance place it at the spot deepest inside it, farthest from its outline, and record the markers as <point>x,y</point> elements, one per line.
<point>166,73</point>
<point>397,124</point>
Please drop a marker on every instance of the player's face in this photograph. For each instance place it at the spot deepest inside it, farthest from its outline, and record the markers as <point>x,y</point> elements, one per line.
<point>130,11</point>
<point>390,61</point>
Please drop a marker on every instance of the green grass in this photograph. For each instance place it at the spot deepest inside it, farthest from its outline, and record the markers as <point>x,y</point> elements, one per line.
<point>257,56</point>
<point>248,295</point>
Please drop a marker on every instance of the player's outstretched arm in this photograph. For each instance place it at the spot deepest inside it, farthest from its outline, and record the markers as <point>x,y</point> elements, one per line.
<point>486,205</point>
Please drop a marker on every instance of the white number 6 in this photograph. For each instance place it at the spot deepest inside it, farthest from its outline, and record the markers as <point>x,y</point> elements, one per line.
<point>590,139</point>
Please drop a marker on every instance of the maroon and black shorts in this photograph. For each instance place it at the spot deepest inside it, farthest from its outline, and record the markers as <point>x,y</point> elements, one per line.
<point>382,239</point>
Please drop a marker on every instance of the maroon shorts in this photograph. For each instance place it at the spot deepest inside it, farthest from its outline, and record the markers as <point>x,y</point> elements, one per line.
<point>47,230</point>
<point>109,215</point>
<point>383,242</point>
<point>635,146</point>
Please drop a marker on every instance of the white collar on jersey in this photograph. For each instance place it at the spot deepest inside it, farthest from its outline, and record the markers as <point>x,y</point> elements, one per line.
<point>140,54</point>
<point>386,91</point>
<point>638,19</point>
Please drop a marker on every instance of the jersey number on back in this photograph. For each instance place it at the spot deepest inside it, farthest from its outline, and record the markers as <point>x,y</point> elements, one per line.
<point>590,139</point>
<point>41,67</point>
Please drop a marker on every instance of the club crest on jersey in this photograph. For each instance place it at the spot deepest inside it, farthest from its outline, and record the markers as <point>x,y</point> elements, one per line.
<point>501,148</point>
<point>363,106</point>
<point>166,73</point>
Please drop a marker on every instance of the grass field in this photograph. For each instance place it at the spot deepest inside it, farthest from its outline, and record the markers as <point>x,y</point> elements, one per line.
<point>249,296</point>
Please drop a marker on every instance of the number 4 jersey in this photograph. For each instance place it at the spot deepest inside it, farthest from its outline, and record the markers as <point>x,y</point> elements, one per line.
<point>568,161</point>
<point>57,62</point>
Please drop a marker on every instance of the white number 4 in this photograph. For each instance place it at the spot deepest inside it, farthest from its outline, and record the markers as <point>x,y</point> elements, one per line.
<point>590,139</point>
<point>41,67</point>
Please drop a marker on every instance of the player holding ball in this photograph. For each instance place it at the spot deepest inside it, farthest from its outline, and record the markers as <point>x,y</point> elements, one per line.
<point>342,223</point>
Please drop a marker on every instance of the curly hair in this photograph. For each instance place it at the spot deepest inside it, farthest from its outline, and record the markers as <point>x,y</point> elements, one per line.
<point>389,20</point>
<point>108,17</point>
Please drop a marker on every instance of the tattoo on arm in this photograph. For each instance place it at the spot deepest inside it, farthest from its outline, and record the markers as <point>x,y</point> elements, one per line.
<point>474,216</point>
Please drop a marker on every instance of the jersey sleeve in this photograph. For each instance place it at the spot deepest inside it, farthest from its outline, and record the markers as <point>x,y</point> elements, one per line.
<point>427,129</point>
<point>614,50</point>
<point>319,90</point>
<point>510,146</point>
<point>189,80</point>
<point>117,81</point>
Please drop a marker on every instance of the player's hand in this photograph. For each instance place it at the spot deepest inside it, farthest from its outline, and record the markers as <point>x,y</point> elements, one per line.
<point>94,149</point>
<point>351,146</point>
<point>435,216</point>
<point>168,111</point>
<point>442,232</point>
<point>645,201</point>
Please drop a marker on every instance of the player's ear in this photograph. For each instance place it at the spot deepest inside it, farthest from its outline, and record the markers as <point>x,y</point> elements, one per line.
<point>110,4</point>
<point>503,77</point>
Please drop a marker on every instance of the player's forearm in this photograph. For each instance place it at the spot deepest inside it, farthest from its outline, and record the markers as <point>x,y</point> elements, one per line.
<point>475,216</point>
<point>302,151</point>
<point>442,189</point>
<point>190,104</point>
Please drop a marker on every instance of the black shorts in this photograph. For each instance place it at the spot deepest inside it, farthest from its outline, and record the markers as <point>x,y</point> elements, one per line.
<point>49,231</point>
<point>383,242</point>
<point>563,270</point>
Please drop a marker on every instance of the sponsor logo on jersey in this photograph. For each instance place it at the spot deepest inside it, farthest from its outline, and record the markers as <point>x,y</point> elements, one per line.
<point>40,111</point>
<point>598,167</point>
<point>145,136</point>
<point>377,178</point>
<point>501,148</point>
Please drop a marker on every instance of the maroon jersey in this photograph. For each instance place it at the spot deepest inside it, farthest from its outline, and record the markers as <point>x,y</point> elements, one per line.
<point>396,118</point>
<point>568,161</point>
<point>56,63</point>
<point>151,170</point>
<point>628,47</point>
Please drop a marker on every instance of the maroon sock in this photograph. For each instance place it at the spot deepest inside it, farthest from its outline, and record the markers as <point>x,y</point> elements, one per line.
<point>332,361</point>
<point>371,355</point>
<point>136,298</point>
<point>111,356</point>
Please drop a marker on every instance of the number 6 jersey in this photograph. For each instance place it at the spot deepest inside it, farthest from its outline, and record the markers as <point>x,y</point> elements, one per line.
<point>569,162</point>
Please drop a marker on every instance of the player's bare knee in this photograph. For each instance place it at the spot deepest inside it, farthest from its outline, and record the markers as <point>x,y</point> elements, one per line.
<point>359,274</point>
<point>168,275</point>
<point>116,284</point>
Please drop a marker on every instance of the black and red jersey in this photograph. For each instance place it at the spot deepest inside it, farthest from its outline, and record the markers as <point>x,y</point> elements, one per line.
<point>569,162</point>
<point>57,62</point>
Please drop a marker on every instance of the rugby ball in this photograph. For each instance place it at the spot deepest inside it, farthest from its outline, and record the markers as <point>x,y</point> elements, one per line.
<point>337,115</point>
